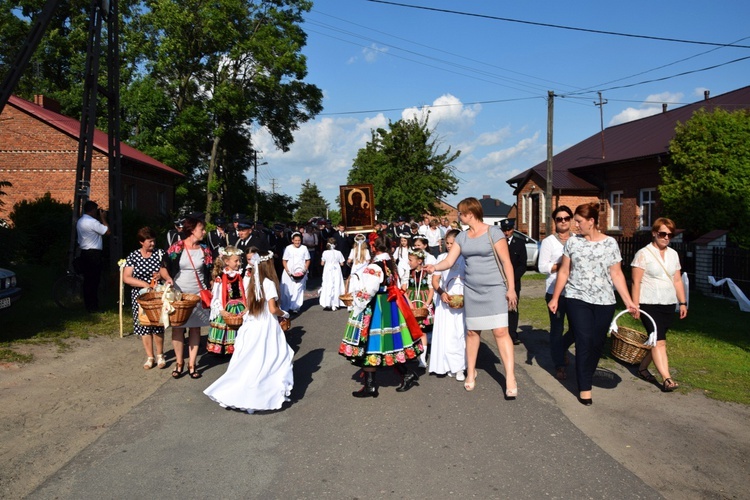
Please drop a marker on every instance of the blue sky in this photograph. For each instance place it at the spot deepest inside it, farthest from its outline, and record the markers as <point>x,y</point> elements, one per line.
<point>485,81</point>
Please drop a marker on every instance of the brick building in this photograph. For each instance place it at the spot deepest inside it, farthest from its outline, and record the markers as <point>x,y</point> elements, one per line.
<point>619,168</point>
<point>39,152</point>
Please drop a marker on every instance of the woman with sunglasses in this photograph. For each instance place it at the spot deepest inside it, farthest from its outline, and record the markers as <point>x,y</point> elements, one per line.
<point>590,267</point>
<point>550,260</point>
<point>658,287</point>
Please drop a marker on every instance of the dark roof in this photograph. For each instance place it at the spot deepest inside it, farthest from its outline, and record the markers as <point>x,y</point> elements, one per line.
<point>646,137</point>
<point>494,208</point>
<point>72,127</point>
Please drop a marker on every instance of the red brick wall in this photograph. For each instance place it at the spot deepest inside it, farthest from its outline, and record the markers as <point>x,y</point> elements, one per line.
<point>36,158</point>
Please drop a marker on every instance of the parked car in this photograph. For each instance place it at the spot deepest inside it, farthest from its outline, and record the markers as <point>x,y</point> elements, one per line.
<point>9,291</point>
<point>532,249</point>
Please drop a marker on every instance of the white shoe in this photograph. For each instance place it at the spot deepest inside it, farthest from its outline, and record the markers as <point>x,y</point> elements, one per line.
<point>461,376</point>
<point>334,308</point>
<point>451,374</point>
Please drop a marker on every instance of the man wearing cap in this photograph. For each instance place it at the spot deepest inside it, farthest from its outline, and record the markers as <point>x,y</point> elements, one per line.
<point>217,238</point>
<point>233,235</point>
<point>90,228</point>
<point>247,238</point>
<point>175,234</point>
<point>517,249</point>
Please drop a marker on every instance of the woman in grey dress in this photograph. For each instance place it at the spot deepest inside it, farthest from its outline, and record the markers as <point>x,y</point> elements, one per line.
<point>486,296</point>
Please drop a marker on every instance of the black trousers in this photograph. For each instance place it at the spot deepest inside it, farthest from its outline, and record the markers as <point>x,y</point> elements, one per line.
<point>91,261</point>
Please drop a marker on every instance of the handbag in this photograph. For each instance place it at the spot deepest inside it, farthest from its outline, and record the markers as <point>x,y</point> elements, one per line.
<point>205,295</point>
<point>499,265</point>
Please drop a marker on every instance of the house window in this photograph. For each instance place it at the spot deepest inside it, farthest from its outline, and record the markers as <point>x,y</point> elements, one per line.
<point>161,201</point>
<point>523,208</point>
<point>647,207</point>
<point>615,210</point>
<point>131,196</point>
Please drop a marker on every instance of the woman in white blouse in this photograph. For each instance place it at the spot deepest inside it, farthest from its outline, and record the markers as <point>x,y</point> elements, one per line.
<point>296,261</point>
<point>658,287</point>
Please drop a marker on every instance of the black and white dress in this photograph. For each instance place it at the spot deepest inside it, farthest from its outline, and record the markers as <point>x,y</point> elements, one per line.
<point>143,269</point>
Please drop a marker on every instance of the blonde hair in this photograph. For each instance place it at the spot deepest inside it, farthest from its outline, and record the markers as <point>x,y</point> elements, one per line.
<point>220,262</point>
<point>360,250</point>
<point>262,270</point>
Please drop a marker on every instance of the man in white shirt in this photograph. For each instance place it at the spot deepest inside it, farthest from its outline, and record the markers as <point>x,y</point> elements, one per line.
<point>90,228</point>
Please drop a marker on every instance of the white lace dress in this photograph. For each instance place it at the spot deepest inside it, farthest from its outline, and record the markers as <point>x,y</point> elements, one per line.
<point>448,348</point>
<point>333,280</point>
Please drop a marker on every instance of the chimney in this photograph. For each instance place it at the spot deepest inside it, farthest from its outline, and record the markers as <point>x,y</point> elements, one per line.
<point>706,93</point>
<point>47,103</point>
<point>485,197</point>
<point>664,107</point>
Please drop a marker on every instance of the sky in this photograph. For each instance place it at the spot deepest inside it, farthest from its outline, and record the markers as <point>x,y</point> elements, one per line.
<point>485,80</point>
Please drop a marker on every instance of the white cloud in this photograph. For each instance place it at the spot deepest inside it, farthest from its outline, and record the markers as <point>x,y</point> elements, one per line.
<point>651,106</point>
<point>373,52</point>
<point>446,110</point>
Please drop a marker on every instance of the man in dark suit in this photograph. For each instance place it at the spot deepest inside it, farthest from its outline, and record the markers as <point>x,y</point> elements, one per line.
<point>217,238</point>
<point>517,248</point>
<point>343,245</point>
<point>247,238</point>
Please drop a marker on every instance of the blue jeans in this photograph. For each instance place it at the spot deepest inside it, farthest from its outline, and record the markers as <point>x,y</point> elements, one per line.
<point>589,323</point>
<point>558,343</point>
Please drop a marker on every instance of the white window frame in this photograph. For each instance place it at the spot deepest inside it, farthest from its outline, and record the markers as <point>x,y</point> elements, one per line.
<point>523,208</point>
<point>615,205</point>
<point>651,203</point>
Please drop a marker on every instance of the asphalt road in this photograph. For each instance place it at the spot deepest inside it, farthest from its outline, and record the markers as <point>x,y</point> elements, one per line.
<point>435,441</point>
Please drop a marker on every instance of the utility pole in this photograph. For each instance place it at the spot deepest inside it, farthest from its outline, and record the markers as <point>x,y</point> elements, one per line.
<point>273,186</point>
<point>255,181</point>
<point>601,104</point>
<point>548,191</point>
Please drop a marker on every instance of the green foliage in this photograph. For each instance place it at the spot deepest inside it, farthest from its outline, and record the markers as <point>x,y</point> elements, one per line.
<point>311,203</point>
<point>706,185</point>
<point>407,172</point>
<point>42,229</point>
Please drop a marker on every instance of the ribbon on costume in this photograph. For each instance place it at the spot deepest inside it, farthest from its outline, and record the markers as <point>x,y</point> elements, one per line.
<point>395,294</point>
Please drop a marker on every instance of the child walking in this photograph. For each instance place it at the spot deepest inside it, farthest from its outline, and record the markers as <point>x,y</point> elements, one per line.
<point>419,292</point>
<point>228,295</point>
<point>448,346</point>
<point>259,375</point>
<point>333,280</point>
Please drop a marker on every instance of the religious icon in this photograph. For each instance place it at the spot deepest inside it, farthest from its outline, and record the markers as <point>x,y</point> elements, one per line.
<point>358,207</point>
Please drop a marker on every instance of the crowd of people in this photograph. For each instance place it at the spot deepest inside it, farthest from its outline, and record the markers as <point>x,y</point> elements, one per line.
<point>418,297</point>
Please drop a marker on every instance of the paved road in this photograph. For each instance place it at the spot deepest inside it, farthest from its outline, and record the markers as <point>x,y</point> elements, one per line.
<point>435,441</point>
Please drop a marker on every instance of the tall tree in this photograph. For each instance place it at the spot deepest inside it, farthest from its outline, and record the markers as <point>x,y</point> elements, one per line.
<point>310,202</point>
<point>408,173</point>
<point>706,184</point>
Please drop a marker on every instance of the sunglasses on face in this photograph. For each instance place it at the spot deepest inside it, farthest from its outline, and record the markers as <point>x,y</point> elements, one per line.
<point>562,219</point>
<point>662,234</point>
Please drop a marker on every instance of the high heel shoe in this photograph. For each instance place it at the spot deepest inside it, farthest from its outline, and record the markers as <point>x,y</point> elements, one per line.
<point>177,372</point>
<point>511,394</point>
<point>585,401</point>
<point>469,386</point>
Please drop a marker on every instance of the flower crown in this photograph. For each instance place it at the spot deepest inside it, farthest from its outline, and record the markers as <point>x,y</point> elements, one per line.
<point>417,253</point>
<point>257,259</point>
<point>226,252</point>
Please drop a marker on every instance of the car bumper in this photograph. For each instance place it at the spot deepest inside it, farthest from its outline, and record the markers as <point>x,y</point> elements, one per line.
<point>9,296</point>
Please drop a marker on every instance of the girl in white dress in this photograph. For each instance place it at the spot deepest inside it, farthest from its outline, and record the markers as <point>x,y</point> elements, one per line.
<point>259,375</point>
<point>401,255</point>
<point>448,351</point>
<point>359,256</point>
<point>296,261</point>
<point>333,281</point>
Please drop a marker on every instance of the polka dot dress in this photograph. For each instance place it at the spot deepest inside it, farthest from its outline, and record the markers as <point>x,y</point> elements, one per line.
<point>143,269</point>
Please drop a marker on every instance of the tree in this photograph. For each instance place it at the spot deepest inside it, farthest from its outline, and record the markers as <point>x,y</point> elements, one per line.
<point>408,174</point>
<point>311,203</point>
<point>706,184</point>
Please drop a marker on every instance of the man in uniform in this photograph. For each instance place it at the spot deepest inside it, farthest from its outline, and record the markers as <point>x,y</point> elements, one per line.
<point>175,234</point>
<point>247,238</point>
<point>517,248</point>
<point>90,228</point>
<point>217,238</point>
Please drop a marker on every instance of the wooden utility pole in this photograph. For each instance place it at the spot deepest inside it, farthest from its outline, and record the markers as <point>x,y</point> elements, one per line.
<point>601,104</point>
<point>548,191</point>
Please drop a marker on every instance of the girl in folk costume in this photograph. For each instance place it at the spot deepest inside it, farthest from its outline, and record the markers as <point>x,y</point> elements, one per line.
<point>448,348</point>
<point>420,243</point>
<point>419,293</point>
<point>333,281</point>
<point>381,330</point>
<point>296,261</point>
<point>228,295</point>
<point>259,375</point>
<point>359,256</point>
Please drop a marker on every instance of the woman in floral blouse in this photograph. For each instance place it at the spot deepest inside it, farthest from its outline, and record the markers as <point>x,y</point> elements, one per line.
<point>590,267</point>
<point>381,330</point>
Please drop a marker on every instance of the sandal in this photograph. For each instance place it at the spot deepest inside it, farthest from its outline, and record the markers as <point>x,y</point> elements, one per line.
<point>646,375</point>
<point>561,374</point>
<point>194,373</point>
<point>161,362</point>
<point>669,385</point>
<point>177,372</point>
<point>469,386</point>
<point>149,363</point>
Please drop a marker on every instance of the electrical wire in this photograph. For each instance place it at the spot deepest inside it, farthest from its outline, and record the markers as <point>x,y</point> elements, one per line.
<point>386,110</point>
<point>560,26</point>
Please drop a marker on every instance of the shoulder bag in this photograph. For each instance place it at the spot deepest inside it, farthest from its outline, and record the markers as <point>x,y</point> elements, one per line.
<point>204,294</point>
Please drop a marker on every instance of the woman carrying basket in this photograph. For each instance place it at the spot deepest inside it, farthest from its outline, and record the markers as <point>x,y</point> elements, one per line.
<point>590,266</point>
<point>658,287</point>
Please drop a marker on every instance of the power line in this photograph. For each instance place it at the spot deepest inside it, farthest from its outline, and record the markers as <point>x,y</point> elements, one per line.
<point>495,101</point>
<point>560,26</point>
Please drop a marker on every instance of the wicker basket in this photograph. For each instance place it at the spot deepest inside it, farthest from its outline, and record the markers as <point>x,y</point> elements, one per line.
<point>152,309</point>
<point>285,324</point>
<point>420,313</point>
<point>183,309</point>
<point>347,299</point>
<point>628,345</point>
<point>232,320</point>
<point>456,302</point>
